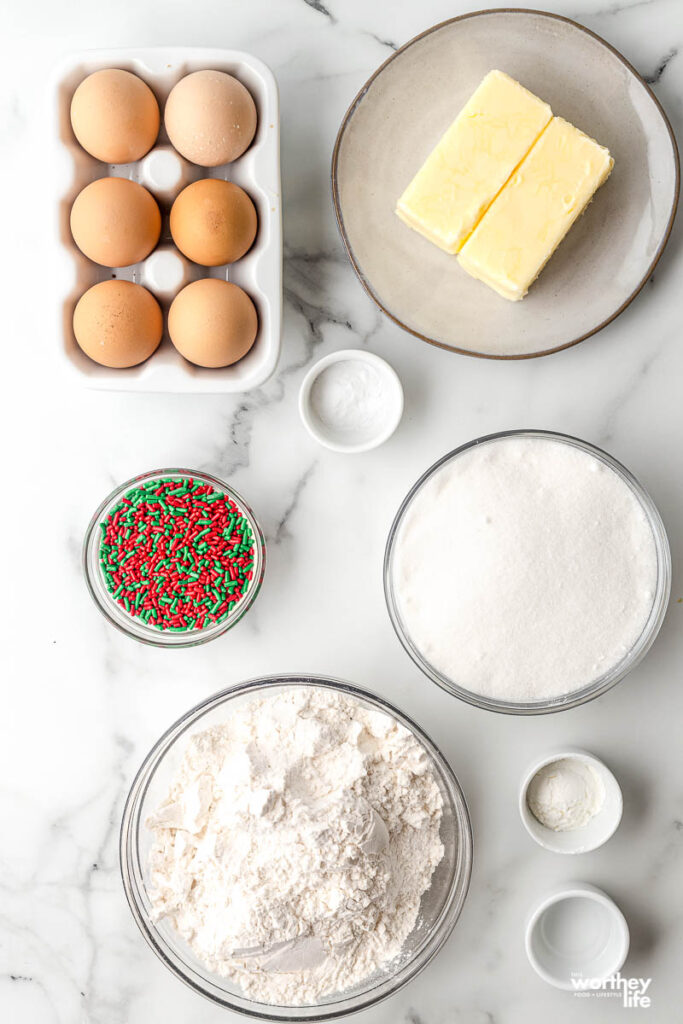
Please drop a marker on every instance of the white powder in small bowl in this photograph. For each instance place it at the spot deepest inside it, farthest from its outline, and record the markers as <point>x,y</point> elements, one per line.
<point>525,568</point>
<point>566,794</point>
<point>351,401</point>
<point>349,398</point>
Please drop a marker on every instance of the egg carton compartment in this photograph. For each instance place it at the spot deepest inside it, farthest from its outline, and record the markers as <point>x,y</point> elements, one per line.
<point>165,173</point>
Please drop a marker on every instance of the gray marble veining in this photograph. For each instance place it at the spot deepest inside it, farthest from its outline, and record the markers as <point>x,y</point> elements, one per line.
<point>84,704</point>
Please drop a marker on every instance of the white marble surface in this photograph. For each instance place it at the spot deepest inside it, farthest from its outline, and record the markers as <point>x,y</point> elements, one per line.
<point>83,704</point>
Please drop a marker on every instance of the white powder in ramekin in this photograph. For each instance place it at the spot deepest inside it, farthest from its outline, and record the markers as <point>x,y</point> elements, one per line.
<point>524,569</point>
<point>350,399</point>
<point>566,794</point>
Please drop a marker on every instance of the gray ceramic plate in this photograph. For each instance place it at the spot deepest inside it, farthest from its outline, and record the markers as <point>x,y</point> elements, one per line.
<point>401,112</point>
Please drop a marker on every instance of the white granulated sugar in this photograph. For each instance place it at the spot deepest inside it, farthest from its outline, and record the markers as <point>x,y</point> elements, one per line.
<point>295,843</point>
<point>524,569</point>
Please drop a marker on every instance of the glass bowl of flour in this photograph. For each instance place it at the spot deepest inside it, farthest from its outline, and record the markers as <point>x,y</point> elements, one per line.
<point>295,848</point>
<point>527,572</point>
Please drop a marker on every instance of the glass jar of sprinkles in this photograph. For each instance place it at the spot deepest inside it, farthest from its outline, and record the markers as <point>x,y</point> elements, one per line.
<point>174,557</point>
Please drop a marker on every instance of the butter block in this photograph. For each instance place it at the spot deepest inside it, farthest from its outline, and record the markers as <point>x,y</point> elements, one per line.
<point>474,158</point>
<point>525,224</point>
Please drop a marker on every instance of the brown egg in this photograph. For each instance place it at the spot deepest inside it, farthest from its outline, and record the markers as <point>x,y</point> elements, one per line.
<point>213,222</point>
<point>212,322</point>
<point>118,323</point>
<point>115,222</point>
<point>115,116</point>
<point>210,118</point>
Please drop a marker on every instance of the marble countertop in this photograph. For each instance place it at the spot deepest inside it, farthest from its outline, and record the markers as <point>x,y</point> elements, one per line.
<point>83,704</point>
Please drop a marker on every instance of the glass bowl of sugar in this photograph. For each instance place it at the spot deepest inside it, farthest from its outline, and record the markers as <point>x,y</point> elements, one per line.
<point>527,572</point>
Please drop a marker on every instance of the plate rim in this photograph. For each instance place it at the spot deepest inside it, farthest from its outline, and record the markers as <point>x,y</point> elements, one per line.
<point>358,98</point>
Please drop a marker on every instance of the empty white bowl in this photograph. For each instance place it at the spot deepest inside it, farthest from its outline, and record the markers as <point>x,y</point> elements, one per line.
<point>598,830</point>
<point>335,423</point>
<point>576,935</point>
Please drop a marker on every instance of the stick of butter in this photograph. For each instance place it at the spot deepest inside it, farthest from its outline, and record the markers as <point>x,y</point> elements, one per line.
<point>525,224</point>
<point>462,176</point>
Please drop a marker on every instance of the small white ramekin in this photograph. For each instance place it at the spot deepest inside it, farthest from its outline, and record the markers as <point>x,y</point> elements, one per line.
<point>392,413</point>
<point>575,936</point>
<point>598,830</point>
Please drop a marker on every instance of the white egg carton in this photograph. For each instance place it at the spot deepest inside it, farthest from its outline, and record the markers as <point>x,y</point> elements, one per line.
<point>164,172</point>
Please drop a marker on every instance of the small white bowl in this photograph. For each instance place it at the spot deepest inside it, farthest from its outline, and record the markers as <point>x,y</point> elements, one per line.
<point>361,440</point>
<point>598,830</point>
<point>576,935</point>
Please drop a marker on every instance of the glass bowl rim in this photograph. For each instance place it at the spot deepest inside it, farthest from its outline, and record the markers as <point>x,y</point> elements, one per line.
<point>158,638</point>
<point>440,930</point>
<point>608,679</point>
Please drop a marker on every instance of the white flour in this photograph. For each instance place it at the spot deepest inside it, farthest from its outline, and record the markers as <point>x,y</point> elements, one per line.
<point>525,569</point>
<point>295,844</point>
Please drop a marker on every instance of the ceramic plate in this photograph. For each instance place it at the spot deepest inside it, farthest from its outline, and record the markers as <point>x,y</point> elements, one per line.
<point>400,114</point>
